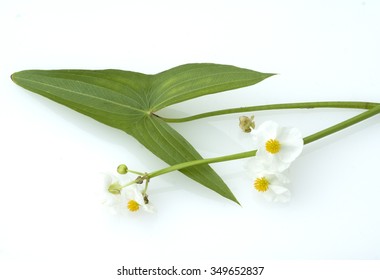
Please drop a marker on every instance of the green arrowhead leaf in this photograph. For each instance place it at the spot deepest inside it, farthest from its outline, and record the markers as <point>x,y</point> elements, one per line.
<point>129,101</point>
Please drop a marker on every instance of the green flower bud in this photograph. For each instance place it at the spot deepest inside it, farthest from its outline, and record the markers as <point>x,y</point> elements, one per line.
<point>122,169</point>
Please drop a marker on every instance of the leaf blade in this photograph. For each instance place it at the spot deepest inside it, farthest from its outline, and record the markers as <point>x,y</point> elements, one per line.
<point>167,144</point>
<point>189,81</point>
<point>89,95</point>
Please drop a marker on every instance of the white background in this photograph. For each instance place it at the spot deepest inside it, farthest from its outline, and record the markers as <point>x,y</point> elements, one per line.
<point>52,158</point>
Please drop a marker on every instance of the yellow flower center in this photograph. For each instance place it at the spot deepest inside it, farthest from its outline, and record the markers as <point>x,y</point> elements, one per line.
<point>273,146</point>
<point>133,206</point>
<point>261,184</point>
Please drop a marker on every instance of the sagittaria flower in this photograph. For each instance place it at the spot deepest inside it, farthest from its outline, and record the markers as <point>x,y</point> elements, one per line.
<point>278,145</point>
<point>269,183</point>
<point>121,200</point>
<point>111,194</point>
<point>136,199</point>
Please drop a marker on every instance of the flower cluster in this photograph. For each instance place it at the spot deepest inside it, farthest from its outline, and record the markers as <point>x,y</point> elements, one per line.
<point>277,148</point>
<point>125,198</point>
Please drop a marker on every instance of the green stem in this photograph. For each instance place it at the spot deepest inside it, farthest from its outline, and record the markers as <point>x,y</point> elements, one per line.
<point>303,105</point>
<point>201,161</point>
<point>342,125</point>
<point>311,138</point>
<point>135,172</point>
<point>125,185</point>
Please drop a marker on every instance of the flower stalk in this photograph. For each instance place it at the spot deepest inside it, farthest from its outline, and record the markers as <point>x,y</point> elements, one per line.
<point>302,105</point>
<point>374,109</point>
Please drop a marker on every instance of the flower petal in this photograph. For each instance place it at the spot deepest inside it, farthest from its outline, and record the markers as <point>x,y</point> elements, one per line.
<point>291,145</point>
<point>282,194</point>
<point>267,130</point>
<point>133,193</point>
<point>148,208</point>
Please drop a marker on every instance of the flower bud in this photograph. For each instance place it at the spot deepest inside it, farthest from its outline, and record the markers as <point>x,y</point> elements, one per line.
<point>122,169</point>
<point>246,123</point>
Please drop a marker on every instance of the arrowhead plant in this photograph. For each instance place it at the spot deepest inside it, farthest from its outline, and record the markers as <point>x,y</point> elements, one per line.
<point>131,101</point>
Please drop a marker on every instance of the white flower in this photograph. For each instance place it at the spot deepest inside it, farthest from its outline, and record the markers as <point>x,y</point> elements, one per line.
<point>277,145</point>
<point>121,200</point>
<point>270,183</point>
<point>110,197</point>
<point>272,187</point>
<point>277,148</point>
<point>113,200</point>
<point>135,199</point>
